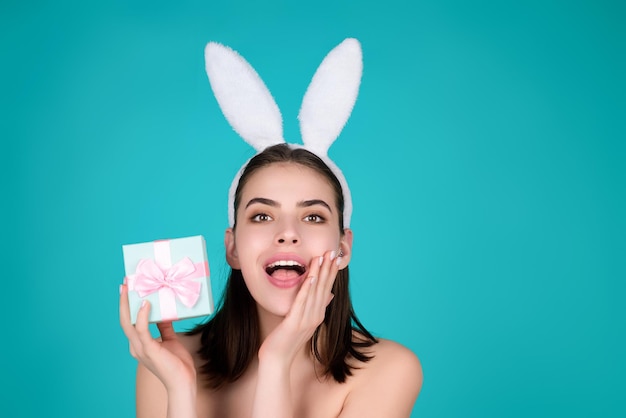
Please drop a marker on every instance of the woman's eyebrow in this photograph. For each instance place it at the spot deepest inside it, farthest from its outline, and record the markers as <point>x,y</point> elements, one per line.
<point>313,202</point>
<point>275,204</point>
<point>263,201</point>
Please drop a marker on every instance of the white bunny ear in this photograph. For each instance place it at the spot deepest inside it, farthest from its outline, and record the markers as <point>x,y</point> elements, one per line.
<point>244,99</point>
<point>329,100</point>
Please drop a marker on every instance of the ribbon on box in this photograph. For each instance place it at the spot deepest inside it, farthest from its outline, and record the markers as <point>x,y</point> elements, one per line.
<point>170,281</point>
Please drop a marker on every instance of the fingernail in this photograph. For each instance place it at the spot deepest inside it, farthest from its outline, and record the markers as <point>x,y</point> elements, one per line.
<point>321,260</point>
<point>121,286</point>
<point>339,260</point>
<point>332,255</point>
<point>144,303</point>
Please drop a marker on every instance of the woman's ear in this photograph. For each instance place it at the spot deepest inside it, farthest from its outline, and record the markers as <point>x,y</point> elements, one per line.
<point>231,249</point>
<point>345,248</point>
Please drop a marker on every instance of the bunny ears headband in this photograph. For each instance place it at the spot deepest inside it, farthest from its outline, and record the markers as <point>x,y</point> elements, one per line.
<point>251,110</point>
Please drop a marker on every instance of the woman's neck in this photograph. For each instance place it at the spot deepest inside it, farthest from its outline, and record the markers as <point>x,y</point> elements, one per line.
<point>267,322</point>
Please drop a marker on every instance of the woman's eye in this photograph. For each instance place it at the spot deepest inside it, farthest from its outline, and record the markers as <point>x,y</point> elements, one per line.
<point>314,218</point>
<point>261,217</point>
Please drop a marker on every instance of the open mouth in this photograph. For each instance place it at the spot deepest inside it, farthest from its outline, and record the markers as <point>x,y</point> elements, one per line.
<point>285,269</point>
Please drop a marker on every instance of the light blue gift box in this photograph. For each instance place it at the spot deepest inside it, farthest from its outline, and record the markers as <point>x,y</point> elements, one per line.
<point>167,254</point>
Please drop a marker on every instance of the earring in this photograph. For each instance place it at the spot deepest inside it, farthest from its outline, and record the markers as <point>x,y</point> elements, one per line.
<point>340,253</point>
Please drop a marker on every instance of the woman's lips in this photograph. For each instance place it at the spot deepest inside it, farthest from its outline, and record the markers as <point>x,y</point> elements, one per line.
<point>285,277</point>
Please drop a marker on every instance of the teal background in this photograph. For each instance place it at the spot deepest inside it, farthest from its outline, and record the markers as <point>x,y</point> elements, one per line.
<point>485,154</point>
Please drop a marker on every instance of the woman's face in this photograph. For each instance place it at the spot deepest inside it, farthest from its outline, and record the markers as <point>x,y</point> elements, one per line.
<point>286,218</point>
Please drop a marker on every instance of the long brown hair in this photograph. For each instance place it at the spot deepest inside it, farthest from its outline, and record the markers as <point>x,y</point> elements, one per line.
<point>230,340</point>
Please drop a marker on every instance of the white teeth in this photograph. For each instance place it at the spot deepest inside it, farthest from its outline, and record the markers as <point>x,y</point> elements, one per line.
<point>285,263</point>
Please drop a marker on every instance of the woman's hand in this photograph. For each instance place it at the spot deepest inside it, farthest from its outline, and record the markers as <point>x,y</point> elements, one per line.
<point>306,313</point>
<point>280,348</point>
<point>166,358</point>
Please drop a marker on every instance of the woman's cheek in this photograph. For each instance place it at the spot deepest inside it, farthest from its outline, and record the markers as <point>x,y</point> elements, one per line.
<point>321,241</point>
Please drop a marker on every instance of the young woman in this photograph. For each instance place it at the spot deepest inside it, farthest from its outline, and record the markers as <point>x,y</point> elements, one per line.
<point>285,341</point>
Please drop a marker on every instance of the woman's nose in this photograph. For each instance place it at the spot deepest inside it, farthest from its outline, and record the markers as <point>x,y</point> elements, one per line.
<point>287,234</point>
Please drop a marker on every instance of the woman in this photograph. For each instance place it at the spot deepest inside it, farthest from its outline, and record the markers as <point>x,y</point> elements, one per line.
<point>285,341</point>
<point>288,209</point>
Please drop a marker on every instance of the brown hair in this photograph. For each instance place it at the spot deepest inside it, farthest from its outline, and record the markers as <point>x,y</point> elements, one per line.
<point>231,338</point>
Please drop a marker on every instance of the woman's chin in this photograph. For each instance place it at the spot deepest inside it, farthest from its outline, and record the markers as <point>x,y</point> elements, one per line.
<point>279,306</point>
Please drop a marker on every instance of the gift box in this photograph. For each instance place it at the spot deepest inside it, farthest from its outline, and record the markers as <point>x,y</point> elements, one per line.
<point>173,275</point>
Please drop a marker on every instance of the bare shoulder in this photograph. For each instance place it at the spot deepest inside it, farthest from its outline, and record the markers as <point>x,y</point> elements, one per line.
<point>391,360</point>
<point>387,385</point>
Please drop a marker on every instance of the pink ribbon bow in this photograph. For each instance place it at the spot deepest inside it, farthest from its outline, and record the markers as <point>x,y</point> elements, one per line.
<point>150,278</point>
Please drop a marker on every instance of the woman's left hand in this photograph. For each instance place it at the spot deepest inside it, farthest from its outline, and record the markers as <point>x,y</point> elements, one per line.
<point>306,313</point>
<point>281,347</point>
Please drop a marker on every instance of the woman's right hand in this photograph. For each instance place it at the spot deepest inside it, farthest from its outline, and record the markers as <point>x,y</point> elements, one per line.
<point>166,357</point>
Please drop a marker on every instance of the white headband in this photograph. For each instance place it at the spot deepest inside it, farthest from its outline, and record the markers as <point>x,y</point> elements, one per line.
<point>252,112</point>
